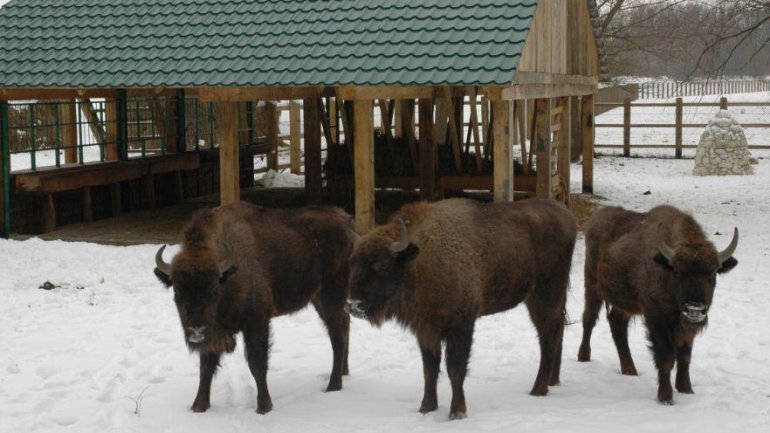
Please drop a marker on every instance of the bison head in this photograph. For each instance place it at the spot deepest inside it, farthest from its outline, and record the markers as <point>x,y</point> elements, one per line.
<point>693,267</point>
<point>196,277</point>
<point>377,272</point>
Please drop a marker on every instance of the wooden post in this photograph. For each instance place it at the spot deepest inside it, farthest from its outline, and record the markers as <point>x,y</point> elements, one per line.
<point>427,150</point>
<point>576,148</point>
<point>229,164</point>
<point>627,127</point>
<point>454,131</point>
<point>88,206</point>
<point>312,126</point>
<point>587,138</point>
<point>271,118</point>
<point>502,157</point>
<point>564,149</point>
<point>406,116</point>
<point>295,150</point>
<point>678,130</point>
<point>723,103</point>
<point>111,129</point>
<point>49,214</point>
<point>398,121</point>
<point>5,171</point>
<point>364,165</point>
<point>115,199</point>
<point>68,115</point>
<point>440,124</point>
<point>542,131</point>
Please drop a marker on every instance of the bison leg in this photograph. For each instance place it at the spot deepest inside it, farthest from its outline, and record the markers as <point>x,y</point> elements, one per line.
<point>549,323</point>
<point>209,362</point>
<point>683,354</point>
<point>556,369</point>
<point>430,349</point>
<point>337,323</point>
<point>593,304</point>
<point>458,351</point>
<point>257,341</point>
<point>619,328</point>
<point>664,354</point>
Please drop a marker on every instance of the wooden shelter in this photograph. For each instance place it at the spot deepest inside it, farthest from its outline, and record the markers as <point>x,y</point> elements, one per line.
<point>418,62</point>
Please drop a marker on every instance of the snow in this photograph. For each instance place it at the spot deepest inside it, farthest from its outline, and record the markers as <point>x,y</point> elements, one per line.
<point>105,352</point>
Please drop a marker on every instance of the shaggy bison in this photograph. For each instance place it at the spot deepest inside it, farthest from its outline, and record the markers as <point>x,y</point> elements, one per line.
<point>436,268</point>
<point>658,265</point>
<point>241,265</point>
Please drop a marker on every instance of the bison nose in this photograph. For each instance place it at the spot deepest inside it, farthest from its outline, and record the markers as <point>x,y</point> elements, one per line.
<point>356,309</point>
<point>196,334</point>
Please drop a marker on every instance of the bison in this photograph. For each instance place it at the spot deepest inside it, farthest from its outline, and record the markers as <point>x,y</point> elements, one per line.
<point>435,268</point>
<point>659,265</point>
<point>241,265</point>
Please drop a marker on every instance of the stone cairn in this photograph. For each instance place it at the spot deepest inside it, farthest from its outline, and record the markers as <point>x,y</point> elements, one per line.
<point>723,149</point>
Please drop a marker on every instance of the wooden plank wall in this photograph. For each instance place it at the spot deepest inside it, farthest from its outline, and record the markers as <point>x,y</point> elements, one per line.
<point>560,40</point>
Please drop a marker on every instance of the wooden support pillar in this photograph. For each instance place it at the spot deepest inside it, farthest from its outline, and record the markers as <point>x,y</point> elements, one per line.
<point>563,148</point>
<point>398,121</point>
<point>587,138</point>
<point>49,214</point>
<point>502,155</point>
<point>312,127</point>
<point>520,126</point>
<point>295,138</point>
<point>111,130</point>
<point>544,188</point>
<point>115,199</point>
<point>271,118</point>
<point>229,164</point>
<point>427,150</point>
<point>678,129</point>
<point>364,165</point>
<point>627,127</point>
<point>5,171</point>
<point>576,144</point>
<point>88,205</point>
<point>406,119</point>
<point>68,116</point>
<point>440,125</point>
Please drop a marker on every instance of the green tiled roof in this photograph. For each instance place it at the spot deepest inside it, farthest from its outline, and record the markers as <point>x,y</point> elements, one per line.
<point>148,43</point>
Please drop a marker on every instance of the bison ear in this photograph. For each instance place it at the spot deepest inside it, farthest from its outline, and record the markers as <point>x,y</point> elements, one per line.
<point>165,279</point>
<point>727,265</point>
<point>226,274</point>
<point>662,261</point>
<point>408,254</point>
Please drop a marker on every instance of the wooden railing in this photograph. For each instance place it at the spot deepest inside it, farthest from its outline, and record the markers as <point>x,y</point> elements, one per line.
<point>671,89</point>
<point>677,124</point>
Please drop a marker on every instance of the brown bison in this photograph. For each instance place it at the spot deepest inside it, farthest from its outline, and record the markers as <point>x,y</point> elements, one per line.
<point>241,265</point>
<point>436,268</point>
<point>659,265</point>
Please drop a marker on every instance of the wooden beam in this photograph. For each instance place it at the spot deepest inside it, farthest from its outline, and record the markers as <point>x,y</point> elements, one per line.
<point>229,164</point>
<point>406,115</point>
<point>88,205</point>
<point>441,124</point>
<point>427,150</point>
<point>474,126</point>
<point>364,165</point>
<point>454,134</point>
<point>587,138</point>
<point>543,147</point>
<point>24,94</point>
<point>243,94</point>
<point>540,91</point>
<point>312,127</point>
<point>295,138</point>
<point>523,77</point>
<point>503,156</point>
<point>271,121</point>
<point>384,92</point>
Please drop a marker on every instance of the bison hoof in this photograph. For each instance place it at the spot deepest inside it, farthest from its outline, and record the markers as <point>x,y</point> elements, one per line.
<point>428,407</point>
<point>666,402</point>
<point>200,407</point>
<point>584,355</point>
<point>629,371</point>
<point>264,407</point>
<point>457,415</point>
<point>684,390</point>
<point>538,392</point>
<point>334,387</point>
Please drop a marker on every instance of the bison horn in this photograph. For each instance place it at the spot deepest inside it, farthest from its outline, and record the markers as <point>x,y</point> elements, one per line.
<point>730,250</point>
<point>664,248</point>
<point>228,262</point>
<point>403,240</point>
<point>162,266</point>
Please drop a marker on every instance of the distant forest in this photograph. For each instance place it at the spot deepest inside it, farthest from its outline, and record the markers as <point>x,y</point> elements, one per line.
<point>682,39</point>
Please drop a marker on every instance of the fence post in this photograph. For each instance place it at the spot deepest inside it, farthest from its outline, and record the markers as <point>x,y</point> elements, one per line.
<point>295,152</point>
<point>627,127</point>
<point>678,129</point>
<point>5,168</point>
<point>723,103</point>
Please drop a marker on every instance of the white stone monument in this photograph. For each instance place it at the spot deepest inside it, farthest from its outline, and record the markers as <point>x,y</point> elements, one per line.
<point>723,149</point>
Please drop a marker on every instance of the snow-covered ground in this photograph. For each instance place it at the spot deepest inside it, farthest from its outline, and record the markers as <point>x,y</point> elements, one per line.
<point>105,352</point>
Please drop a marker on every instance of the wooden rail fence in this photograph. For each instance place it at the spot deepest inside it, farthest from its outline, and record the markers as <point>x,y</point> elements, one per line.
<point>677,124</point>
